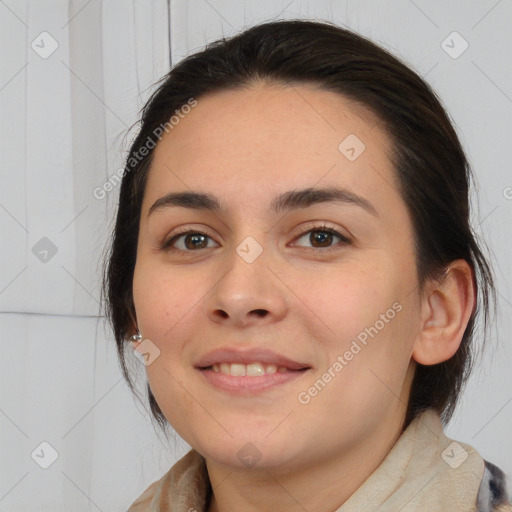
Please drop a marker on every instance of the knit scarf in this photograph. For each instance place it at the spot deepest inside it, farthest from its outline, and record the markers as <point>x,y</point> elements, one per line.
<point>424,471</point>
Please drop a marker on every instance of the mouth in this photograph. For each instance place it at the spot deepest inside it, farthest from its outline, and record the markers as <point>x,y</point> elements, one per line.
<point>250,370</point>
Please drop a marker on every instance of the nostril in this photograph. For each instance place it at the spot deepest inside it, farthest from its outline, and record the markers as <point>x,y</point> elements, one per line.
<point>260,312</point>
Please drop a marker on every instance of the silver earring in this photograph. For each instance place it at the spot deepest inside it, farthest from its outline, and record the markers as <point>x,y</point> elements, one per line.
<point>136,337</point>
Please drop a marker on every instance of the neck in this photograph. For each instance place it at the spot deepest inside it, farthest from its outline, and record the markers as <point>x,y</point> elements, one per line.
<point>316,486</point>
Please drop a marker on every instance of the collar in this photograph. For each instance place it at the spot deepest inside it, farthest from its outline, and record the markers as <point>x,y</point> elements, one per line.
<point>425,470</point>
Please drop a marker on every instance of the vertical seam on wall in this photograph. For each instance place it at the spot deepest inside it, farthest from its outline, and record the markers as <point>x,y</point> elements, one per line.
<point>27,237</point>
<point>134,28</point>
<point>169,32</point>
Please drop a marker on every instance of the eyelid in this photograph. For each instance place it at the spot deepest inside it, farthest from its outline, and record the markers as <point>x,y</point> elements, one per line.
<point>318,226</point>
<point>323,226</point>
<point>168,240</point>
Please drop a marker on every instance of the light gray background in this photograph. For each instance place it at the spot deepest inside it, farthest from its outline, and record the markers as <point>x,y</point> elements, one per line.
<point>62,122</point>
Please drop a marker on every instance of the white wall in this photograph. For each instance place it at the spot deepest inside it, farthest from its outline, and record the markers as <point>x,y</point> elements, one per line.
<point>62,123</point>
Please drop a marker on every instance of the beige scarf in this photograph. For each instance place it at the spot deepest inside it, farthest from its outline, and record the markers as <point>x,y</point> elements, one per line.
<point>424,471</point>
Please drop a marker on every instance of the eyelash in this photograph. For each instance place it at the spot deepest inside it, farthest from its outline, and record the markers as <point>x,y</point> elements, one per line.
<point>167,244</point>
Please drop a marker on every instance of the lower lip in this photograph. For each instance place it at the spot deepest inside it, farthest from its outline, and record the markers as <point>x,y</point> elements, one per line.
<point>250,384</point>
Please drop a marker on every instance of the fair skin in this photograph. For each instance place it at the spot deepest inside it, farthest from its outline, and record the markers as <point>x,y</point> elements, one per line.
<point>296,298</point>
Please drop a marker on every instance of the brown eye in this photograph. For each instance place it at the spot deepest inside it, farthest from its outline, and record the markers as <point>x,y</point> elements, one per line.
<point>192,240</point>
<point>322,237</point>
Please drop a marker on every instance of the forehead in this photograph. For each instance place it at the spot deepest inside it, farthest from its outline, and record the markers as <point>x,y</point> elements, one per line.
<point>246,143</point>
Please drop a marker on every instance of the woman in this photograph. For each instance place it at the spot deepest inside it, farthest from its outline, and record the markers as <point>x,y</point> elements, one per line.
<point>293,259</point>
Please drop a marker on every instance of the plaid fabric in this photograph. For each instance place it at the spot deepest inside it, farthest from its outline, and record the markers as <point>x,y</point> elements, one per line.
<point>494,493</point>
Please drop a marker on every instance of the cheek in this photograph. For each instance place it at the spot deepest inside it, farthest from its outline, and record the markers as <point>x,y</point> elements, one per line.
<point>164,303</point>
<point>164,300</point>
<point>349,299</point>
<point>366,369</point>
<point>366,317</point>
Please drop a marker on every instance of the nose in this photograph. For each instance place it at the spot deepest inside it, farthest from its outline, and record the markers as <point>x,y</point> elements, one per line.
<point>247,293</point>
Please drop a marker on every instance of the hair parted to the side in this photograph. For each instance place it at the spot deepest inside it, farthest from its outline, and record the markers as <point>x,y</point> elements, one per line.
<point>431,168</point>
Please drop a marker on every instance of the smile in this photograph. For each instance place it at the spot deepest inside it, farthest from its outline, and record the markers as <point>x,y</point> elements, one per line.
<point>249,379</point>
<point>249,370</point>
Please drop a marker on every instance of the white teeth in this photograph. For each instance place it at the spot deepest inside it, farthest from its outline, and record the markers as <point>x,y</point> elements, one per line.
<point>250,370</point>
<point>255,369</point>
<point>238,370</point>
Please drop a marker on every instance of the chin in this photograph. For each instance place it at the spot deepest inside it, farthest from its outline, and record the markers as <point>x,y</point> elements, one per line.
<point>260,453</point>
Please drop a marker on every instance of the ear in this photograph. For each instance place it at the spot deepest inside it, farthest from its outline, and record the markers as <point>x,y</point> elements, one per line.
<point>446,309</point>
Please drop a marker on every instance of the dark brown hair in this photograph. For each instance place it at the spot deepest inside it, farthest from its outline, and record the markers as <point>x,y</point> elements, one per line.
<point>430,164</point>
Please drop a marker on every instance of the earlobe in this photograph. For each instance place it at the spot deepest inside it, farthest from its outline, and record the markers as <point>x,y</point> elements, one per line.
<point>447,308</point>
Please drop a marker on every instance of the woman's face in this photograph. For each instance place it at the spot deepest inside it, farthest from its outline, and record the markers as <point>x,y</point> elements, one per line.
<point>323,324</point>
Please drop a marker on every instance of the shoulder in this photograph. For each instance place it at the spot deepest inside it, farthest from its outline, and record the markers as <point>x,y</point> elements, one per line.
<point>494,491</point>
<point>187,481</point>
<point>145,500</point>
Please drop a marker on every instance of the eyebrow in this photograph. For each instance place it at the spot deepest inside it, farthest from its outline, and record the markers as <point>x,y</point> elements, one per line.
<point>291,200</point>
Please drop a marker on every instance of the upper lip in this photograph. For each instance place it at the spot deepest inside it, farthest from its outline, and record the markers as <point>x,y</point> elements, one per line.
<point>248,356</point>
